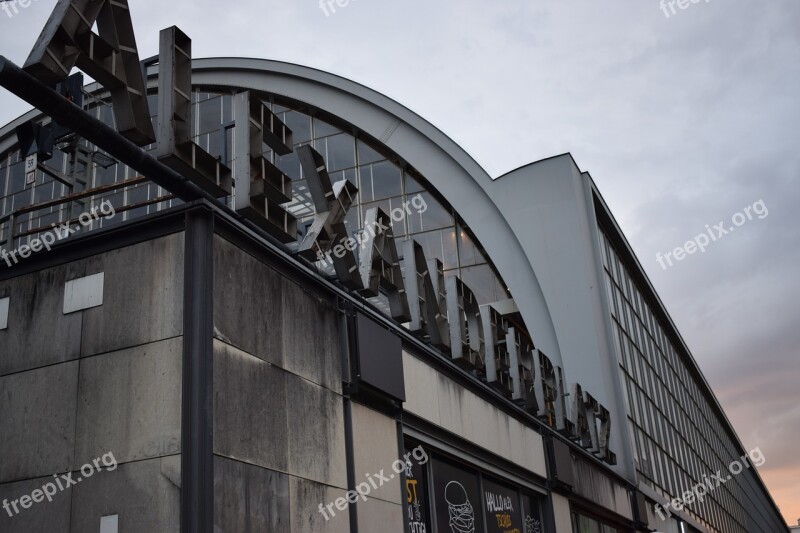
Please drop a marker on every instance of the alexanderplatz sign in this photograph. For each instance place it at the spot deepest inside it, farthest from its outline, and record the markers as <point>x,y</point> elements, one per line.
<point>444,311</point>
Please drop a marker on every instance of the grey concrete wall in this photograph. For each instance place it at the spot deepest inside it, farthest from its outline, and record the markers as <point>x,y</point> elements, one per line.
<point>106,380</point>
<point>375,450</point>
<point>143,303</point>
<point>546,201</point>
<point>279,432</point>
<point>443,402</point>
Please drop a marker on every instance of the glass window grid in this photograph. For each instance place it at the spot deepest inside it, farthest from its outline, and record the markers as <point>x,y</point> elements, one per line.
<point>674,401</point>
<point>212,113</point>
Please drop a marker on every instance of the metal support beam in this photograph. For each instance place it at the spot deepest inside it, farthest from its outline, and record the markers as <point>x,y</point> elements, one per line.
<point>96,132</point>
<point>197,467</point>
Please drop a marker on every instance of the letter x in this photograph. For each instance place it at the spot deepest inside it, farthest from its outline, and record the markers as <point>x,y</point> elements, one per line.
<point>68,479</point>
<point>720,230</point>
<point>328,229</point>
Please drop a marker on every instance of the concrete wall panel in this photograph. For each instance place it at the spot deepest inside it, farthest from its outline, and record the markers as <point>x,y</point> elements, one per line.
<point>38,332</point>
<point>250,420</point>
<point>316,433</point>
<point>311,337</point>
<point>443,402</point>
<point>130,403</point>
<point>561,512</point>
<point>247,303</point>
<point>378,515</point>
<point>37,410</point>
<point>422,391</point>
<point>375,450</point>
<point>249,499</point>
<point>305,499</point>
<point>143,296</point>
<point>144,495</point>
<point>50,516</point>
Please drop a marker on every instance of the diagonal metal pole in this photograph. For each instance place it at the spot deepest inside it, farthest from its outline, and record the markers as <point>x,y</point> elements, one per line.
<point>93,130</point>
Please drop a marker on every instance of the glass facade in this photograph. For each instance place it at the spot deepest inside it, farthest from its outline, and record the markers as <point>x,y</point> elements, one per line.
<point>678,439</point>
<point>82,165</point>
<point>380,177</point>
<point>383,182</point>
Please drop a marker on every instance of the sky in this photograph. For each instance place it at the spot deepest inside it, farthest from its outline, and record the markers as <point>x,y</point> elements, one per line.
<point>683,121</point>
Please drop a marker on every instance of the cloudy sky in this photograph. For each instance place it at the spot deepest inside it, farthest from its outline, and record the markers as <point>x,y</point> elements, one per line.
<point>682,122</point>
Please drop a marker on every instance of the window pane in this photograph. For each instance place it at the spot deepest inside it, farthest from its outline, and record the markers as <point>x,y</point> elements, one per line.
<point>210,115</point>
<point>440,245</point>
<point>394,209</point>
<point>338,151</point>
<point>412,185</point>
<point>483,283</point>
<point>290,165</point>
<point>323,129</point>
<point>366,154</point>
<point>434,217</point>
<point>380,180</point>
<point>468,254</point>
<point>300,124</point>
<point>16,180</point>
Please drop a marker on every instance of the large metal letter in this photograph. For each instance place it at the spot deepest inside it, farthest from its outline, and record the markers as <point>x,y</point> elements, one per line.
<point>466,329</point>
<point>498,362</point>
<point>328,229</point>
<point>579,417</point>
<point>546,391</point>
<point>426,298</point>
<point>176,148</point>
<point>564,425</point>
<point>521,359</point>
<point>380,266</point>
<point>111,58</point>
<point>595,412</point>
<point>261,187</point>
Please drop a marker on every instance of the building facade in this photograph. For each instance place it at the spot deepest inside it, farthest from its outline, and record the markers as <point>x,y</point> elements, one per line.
<point>297,363</point>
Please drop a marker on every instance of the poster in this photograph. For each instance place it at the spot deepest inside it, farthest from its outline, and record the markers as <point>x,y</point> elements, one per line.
<point>532,513</point>
<point>416,500</point>
<point>502,507</point>
<point>457,497</point>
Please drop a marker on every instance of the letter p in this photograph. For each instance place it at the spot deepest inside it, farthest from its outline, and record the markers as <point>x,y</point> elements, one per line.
<point>700,490</point>
<point>47,491</point>
<point>48,239</point>
<point>702,241</point>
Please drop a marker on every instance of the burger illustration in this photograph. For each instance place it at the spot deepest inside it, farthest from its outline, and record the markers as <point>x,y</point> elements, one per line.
<point>462,515</point>
<point>532,525</point>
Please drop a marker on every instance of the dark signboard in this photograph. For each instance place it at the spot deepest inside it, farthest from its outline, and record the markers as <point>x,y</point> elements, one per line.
<point>416,500</point>
<point>457,499</point>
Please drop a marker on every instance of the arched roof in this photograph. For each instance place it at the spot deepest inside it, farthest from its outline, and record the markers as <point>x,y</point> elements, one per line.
<point>451,170</point>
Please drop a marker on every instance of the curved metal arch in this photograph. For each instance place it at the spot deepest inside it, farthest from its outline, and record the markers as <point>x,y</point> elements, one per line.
<point>448,168</point>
